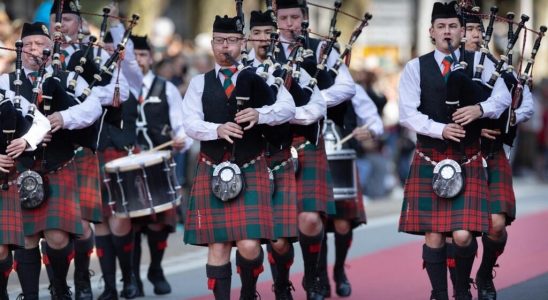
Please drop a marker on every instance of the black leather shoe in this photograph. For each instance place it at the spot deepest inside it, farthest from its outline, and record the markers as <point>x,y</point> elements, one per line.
<point>108,294</point>
<point>140,289</point>
<point>283,291</point>
<point>317,290</point>
<point>343,287</point>
<point>61,292</point>
<point>158,280</point>
<point>463,295</point>
<point>441,295</point>
<point>82,286</point>
<point>130,290</point>
<point>486,288</point>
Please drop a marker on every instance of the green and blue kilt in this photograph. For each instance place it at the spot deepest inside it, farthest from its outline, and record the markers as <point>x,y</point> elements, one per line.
<point>61,210</point>
<point>314,182</point>
<point>284,198</point>
<point>423,211</point>
<point>501,193</point>
<point>352,210</point>
<point>248,216</point>
<point>11,222</point>
<point>89,185</point>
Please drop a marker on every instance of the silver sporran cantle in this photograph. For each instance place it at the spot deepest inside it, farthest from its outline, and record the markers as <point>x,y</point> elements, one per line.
<point>227,181</point>
<point>31,188</point>
<point>448,179</point>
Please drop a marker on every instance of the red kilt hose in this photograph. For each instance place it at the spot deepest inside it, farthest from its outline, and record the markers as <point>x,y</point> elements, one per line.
<point>314,183</point>
<point>352,210</point>
<point>89,185</point>
<point>501,193</point>
<point>284,197</point>
<point>61,210</point>
<point>248,216</point>
<point>11,223</point>
<point>423,211</point>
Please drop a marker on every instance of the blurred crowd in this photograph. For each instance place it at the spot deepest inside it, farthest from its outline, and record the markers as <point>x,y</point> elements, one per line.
<point>383,164</point>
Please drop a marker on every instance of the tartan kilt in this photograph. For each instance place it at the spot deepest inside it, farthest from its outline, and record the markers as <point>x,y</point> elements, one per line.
<point>423,211</point>
<point>314,183</point>
<point>11,221</point>
<point>284,197</point>
<point>89,185</point>
<point>61,210</point>
<point>104,157</point>
<point>501,193</point>
<point>248,216</point>
<point>352,210</point>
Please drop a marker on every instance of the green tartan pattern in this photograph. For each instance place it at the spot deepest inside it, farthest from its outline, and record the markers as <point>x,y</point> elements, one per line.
<point>248,216</point>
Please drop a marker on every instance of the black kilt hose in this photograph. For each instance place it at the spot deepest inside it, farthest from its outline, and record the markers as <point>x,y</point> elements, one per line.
<point>248,216</point>
<point>284,196</point>
<point>423,211</point>
<point>501,192</point>
<point>314,182</point>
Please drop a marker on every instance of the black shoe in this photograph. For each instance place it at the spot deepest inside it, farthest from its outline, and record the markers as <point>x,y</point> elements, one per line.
<point>254,297</point>
<point>317,289</point>
<point>140,289</point>
<point>283,292</point>
<point>61,292</point>
<point>158,280</point>
<point>130,290</point>
<point>441,295</point>
<point>108,294</point>
<point>486,288</point>
<point>82,286</point>
<point>343,287</point>
<point>23,297</point>
<point>463,295</point>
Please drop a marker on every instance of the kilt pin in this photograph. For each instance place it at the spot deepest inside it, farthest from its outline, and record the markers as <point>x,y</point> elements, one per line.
<point>423,211</point>
<point>314,182</point>
<point>248,216</point>
<point>89,190</point>
<point>284,196</point>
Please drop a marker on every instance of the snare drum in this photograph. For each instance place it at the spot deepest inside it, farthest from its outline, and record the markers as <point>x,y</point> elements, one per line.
<point>142,184</point>
<point>342,164</point>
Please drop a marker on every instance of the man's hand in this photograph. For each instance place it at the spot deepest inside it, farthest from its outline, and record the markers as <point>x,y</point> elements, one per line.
<point>466,115</point>
<point>178,143</point>
<point>6,163</point>
<point>362,134</point>
<point>16,147</point>
<point>228,130</point>
<point>453,132</point>
<point>47,137</point>
<point>247,115</point>
<point>490,133</point>
<point>56,121</point>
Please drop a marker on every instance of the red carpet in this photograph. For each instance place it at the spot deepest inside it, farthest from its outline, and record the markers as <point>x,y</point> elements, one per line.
<point>397,273</point>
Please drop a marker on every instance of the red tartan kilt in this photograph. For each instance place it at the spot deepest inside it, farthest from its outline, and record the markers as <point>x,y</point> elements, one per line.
<point>423,211</point>
<point>501,192</point>
<point>105,157</point>
<point>284,198</point>
<point>352,210</point>
<point>314,183</point>
<point>11,222</point>
<point>248,216</point>
<point>61,210</point>
<point>89,185</point>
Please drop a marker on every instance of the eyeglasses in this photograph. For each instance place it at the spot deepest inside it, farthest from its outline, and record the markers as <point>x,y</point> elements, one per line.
<point>231,40</point>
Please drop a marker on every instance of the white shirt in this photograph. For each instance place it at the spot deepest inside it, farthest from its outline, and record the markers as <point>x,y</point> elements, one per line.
<point>409,97</point>
<point>343,88</point>
<point>175,103</point>
<point>40,125</point>
<point>283,110</point>
<point>130,68</point>
<point>366,111</point>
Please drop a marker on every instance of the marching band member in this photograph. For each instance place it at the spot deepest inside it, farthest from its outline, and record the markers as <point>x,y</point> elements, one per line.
<point>422,109</point>
<point>222,211</point>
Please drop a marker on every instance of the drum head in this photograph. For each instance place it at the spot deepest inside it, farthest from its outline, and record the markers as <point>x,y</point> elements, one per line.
<point>134,162</point>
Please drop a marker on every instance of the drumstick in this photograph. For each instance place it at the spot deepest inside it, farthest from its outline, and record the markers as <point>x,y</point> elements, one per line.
<point>162,146</point>
<point>350,136</point>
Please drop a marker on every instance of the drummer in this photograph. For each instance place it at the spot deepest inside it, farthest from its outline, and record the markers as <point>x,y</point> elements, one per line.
<point>159,120</point>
